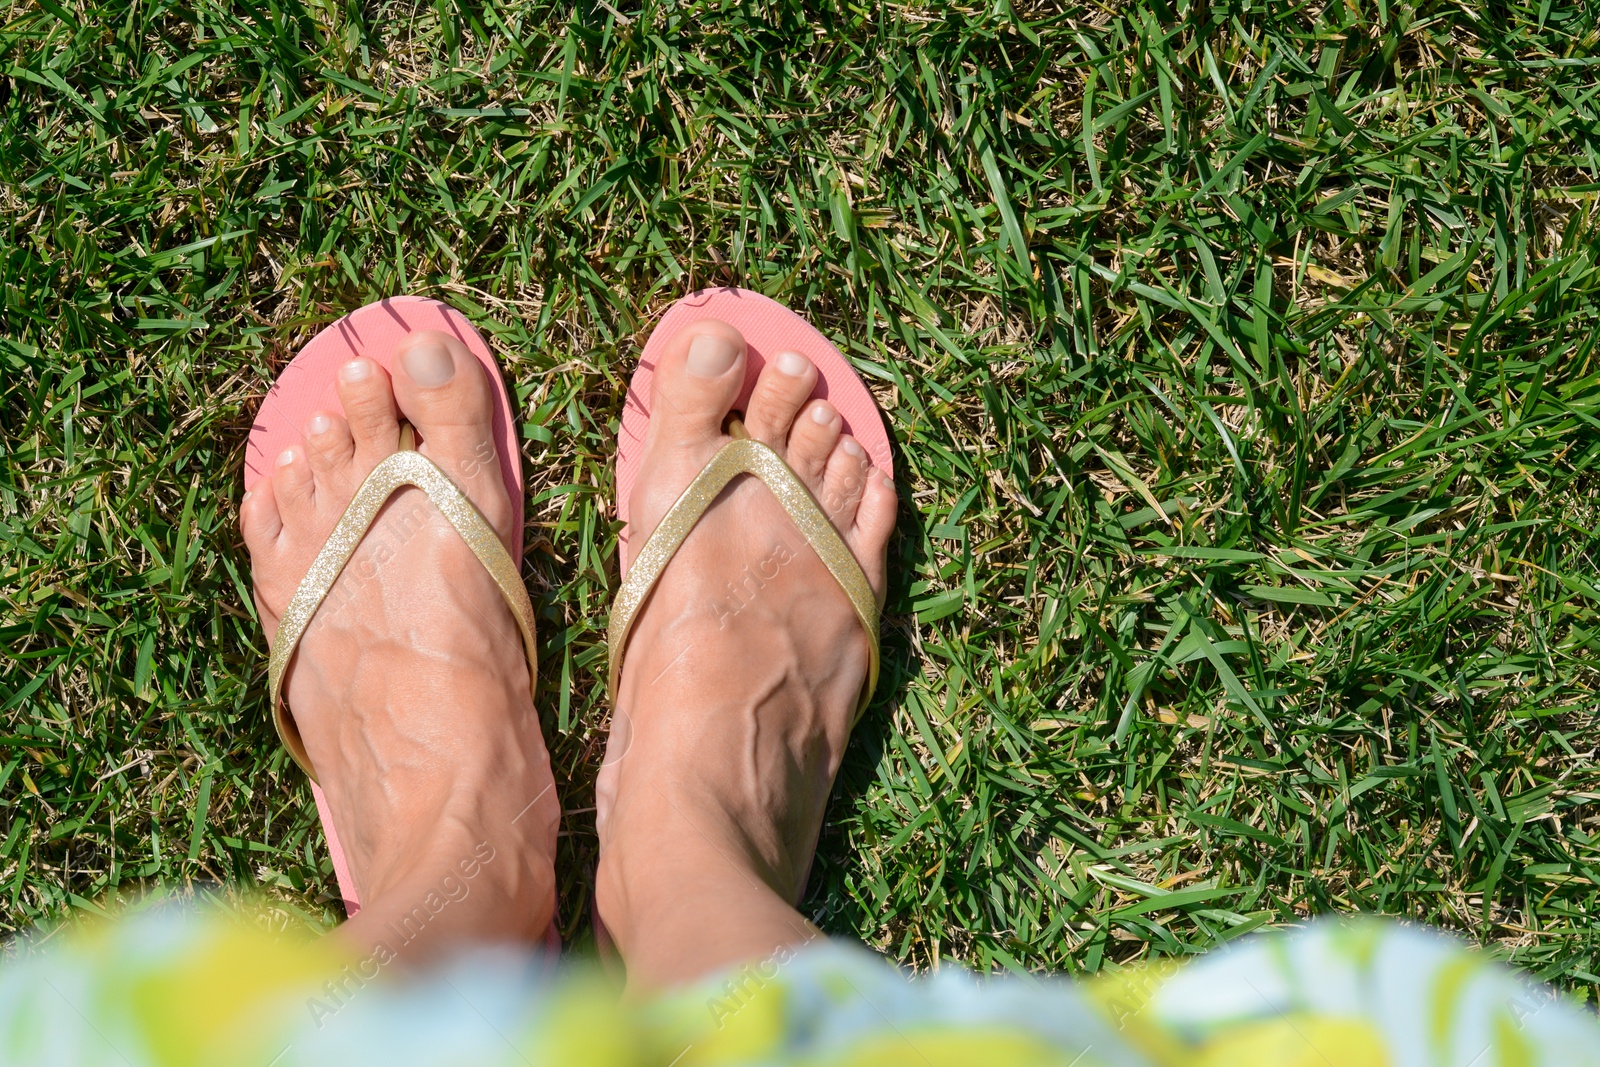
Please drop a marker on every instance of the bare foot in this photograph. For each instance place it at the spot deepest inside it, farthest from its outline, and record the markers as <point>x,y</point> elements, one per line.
<point>741,677</point>
<point>410,688</point>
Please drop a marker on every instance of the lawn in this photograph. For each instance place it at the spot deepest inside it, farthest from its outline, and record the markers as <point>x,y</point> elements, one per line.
<point>1239,358</point>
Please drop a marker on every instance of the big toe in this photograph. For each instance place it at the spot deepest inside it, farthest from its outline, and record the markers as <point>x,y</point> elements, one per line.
<point>697,381</point>
<point>443,391</point>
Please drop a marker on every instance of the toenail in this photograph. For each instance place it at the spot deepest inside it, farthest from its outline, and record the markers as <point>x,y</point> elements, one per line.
<point>429,363</point>
<point>248,493</point>
<point>851,448</point>
<point>710,356</point>
<point>822,414</point>
<point>356,370</point>
<point>286,457</point>
<point>793,364</point>
<point>318,425</point>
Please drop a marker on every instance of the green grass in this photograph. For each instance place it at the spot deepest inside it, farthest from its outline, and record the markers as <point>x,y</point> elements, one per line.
<point>1239,356</point>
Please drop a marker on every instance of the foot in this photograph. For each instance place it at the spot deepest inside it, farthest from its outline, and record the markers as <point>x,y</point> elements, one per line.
<point>742,673</point>
<point>410,687</point>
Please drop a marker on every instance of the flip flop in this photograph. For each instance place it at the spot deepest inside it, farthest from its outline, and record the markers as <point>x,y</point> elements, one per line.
<point>768,329</point>
<point>307,385</point>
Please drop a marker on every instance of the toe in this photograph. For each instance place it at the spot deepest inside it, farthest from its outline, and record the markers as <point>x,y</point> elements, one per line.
<point>293,485</point>
<point>811,441</point>
<point>844,482</point>
<point>785,384</point>
<point>259,520</point>
<point>329,449</point>
<point>869,538</point>
<point>442,390</point>
<point>368,403</point>
<point>698,378</point>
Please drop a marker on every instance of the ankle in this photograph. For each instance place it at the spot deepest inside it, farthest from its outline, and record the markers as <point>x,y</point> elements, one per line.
<point>434,847</point>
<point>454,887</point>
<point>666,847</point>
<point>475,859</point>
<point>679,910</point>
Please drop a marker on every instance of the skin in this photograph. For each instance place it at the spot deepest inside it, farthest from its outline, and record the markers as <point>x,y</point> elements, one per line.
<point>733,711</point>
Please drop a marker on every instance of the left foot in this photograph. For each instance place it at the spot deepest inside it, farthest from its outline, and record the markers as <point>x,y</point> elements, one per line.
<point>410,686</point>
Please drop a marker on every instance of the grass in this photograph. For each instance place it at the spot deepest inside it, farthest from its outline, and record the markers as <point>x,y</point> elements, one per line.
<point>1240,359</point>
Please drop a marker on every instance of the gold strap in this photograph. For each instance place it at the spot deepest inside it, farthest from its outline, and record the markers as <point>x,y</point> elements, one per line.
<point>407,467</point>
<point>742,455</point>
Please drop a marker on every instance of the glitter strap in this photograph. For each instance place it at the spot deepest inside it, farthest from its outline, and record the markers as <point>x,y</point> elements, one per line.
<point>406,467</point>
<point>742,455</point>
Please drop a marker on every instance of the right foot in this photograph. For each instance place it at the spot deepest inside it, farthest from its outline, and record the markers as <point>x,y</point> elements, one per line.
<point>410,686</point>
<point>741,677</point>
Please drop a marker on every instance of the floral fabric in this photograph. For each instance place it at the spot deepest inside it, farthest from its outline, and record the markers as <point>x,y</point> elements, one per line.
<point>205,987</point>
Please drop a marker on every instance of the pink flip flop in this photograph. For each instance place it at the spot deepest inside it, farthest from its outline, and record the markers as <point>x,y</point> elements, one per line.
<point>768,328</point>
<point>307,385</point>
